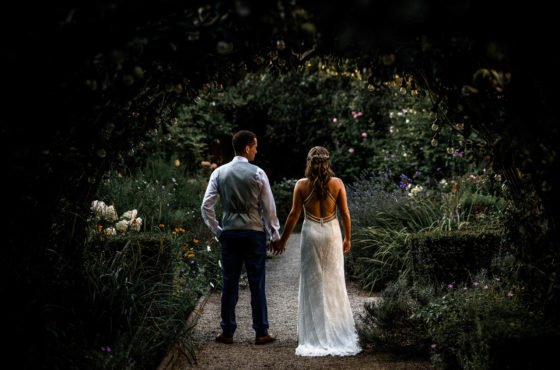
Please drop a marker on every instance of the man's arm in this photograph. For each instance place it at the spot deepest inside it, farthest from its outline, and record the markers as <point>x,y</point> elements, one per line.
<point>208,203</point>
<point>268,209</point>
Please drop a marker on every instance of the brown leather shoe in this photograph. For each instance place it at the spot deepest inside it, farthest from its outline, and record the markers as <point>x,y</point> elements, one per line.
<point>220,338</point>
<point>264,340</point>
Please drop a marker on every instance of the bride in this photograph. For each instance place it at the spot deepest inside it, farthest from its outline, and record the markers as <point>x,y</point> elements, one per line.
<point>325,322</point>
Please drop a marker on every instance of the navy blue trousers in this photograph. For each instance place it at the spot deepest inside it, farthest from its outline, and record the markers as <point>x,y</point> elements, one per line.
<point>238,247</point>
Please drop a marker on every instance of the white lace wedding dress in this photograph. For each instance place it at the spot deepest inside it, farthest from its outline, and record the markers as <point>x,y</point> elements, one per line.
<point>325,322</point>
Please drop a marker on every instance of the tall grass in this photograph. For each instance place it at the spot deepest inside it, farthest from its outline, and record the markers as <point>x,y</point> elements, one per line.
<point>385,216</point>
<point>139,287</point>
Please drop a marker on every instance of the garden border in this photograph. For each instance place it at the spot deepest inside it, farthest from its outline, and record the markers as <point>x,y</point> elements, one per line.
<point>174,354</point>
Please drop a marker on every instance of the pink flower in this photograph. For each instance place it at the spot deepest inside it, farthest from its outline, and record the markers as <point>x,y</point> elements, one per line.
<point>351,150</point>
<point>475,283</point>
<point>486,287</point>
<point>510,294</point>
<point>213,165</point>
<point>484,170</point>
<point>450,285</point>
<point>364,134</point>
<point>453,181</point>
<point>443,297</point>
<point>335,120</point>
<point>433,345</point>
<point>465,288</point>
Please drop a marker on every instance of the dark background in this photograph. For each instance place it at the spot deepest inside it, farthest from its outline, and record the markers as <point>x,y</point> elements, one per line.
<point>53,120</point>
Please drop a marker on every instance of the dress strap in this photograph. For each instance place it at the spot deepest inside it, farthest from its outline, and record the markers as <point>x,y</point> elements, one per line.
<point>308,197</point>
<point>319,220</point>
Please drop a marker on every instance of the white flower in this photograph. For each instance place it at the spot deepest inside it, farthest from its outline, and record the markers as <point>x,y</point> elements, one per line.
<point>212,285</point>
<point>122,225</point>
<point>135,225</point>
<point>110,214</point>
<point>110,231</point>
<point>415,190</point>
<point>208,248</point>
<point>98,207</point>
<point>220,263</point>
<point>443,182</point>
<point>131,215</point>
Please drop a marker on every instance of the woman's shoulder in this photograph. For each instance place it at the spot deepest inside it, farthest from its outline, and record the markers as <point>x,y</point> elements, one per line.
<point>336,181</point>
<point>301,183</point>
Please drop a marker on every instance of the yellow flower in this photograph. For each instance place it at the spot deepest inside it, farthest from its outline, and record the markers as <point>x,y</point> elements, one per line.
<point>173,232</point>
<point>190,255</point>
<point>177,163</point>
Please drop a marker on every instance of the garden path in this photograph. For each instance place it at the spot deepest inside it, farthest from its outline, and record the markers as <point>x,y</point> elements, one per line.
<point>282,283</point>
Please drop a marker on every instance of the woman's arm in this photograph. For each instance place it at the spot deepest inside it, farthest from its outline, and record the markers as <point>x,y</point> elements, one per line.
<point>342,204</point>
<point>293,217</point>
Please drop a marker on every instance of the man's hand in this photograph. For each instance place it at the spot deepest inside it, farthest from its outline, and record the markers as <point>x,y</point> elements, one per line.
<point>277,247</point>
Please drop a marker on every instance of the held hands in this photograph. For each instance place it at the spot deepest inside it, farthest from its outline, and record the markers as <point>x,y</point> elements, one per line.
<point>277,247</point>
<point>346,246</point>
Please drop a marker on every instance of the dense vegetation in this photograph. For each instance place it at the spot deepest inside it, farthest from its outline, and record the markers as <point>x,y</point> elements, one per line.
<point>94,87</point>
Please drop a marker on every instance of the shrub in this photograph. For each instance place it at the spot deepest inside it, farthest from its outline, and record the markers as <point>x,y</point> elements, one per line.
<point>382,250</point>
<point>453,256</point>
<point>387,323</point>
<point>488,325</point>
<point>283,192</point>
<point>129,312</point>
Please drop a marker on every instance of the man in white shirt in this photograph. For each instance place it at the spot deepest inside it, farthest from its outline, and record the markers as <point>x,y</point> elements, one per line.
<point>249,214</point>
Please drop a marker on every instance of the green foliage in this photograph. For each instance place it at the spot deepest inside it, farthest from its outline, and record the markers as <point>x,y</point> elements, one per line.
<point>390,217</point>
<point>139,287</point>
<point>283,192</point>
<point>160,191</point>
<point>130,312</point>
<point>452,256</point>
<point>488,325</point>
<point>324,104</point>
<point>387,322</point>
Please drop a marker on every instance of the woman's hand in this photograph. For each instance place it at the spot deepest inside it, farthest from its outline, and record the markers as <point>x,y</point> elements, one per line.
<point>346,246</point>
<point>277,247</point>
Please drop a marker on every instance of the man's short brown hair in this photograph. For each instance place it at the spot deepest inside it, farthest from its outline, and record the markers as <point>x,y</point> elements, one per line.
<point>241,139</point>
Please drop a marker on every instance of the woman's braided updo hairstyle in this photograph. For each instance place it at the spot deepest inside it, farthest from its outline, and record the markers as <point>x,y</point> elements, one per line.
<point>318,170</point>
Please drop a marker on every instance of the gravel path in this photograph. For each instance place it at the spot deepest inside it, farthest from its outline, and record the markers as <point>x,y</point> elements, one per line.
<point>282,281</point>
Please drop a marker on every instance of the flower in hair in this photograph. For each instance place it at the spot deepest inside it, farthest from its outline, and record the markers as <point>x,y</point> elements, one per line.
<point>320,156</point>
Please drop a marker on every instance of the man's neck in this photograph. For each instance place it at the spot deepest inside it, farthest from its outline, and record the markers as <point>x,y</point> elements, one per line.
<point>244,156</point>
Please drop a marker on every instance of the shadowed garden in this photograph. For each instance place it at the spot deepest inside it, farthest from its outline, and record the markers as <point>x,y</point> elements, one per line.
<point>438,117</point>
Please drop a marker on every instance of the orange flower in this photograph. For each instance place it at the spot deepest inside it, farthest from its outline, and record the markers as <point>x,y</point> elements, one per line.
<point>99,227</point>
<point>195,240</point>
<point>161,225</point>
<point>190,255</point>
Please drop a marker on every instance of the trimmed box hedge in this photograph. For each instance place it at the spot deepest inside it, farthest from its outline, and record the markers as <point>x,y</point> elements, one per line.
<point>453,256</point>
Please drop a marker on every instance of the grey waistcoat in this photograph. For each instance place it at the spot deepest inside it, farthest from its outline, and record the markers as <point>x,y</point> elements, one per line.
<point>239,189</point>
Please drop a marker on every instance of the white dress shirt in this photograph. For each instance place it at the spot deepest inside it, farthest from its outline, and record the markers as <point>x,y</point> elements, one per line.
<point>267,206</point>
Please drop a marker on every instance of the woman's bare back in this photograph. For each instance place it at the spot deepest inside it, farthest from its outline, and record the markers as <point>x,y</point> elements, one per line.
<point>320,207</point>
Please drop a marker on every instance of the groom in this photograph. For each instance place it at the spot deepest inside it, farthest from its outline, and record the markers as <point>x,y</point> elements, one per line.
<point>249,214</point>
